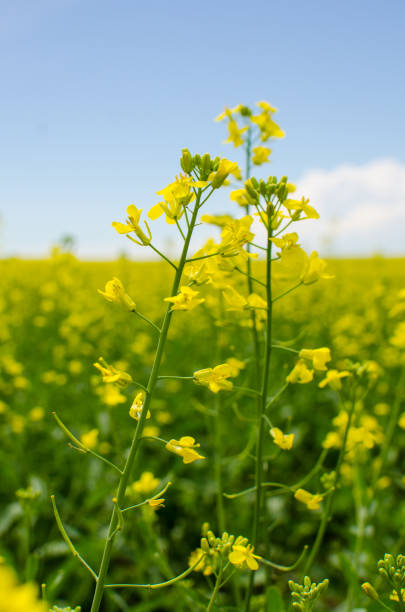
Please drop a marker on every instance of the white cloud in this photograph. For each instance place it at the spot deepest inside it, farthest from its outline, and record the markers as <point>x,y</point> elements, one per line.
<point>362,209</point>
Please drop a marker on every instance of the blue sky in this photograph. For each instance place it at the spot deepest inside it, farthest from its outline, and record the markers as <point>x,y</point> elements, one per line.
<point>98,99</point>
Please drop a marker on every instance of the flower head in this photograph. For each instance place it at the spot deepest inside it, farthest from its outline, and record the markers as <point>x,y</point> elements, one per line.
<point>112,375</point>
<point>243,557</point>
<point>215,378</point>
<point>186,299</point>
<point>146,483</point>
<point>137,405</point>
<point>300,373</point>
<point>312,502</point>
<point>114,292</point>
<point>185,447</point>
<point>132,225</point>
<point>319,357</point>
<point>260,155</point>
<point>18,598</point>
<point>333,379</point>
<point>284,441</point>
<point>314,270</point>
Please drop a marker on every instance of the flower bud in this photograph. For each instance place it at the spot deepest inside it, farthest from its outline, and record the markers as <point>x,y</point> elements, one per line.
<point>370,591</point>
<point>186,161</point>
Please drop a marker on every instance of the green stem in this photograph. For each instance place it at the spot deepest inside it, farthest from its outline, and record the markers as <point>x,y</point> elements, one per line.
<point>163,256</point>
<point>327,513</point>
<point>141,316</point>
<point>68,541</point>
<point>216,589</point>
<point>159,585</point>
<point>122,485</point>
<point>278,297</point>
<point>261,409</point>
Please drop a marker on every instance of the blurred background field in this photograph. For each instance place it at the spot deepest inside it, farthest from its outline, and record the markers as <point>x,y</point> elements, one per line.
<point>55,326</point>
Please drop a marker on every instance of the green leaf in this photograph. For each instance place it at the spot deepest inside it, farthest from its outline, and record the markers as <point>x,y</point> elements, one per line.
<point>274,600</point>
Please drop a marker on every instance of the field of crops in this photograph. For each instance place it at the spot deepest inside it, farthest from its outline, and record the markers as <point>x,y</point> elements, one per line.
<point>55,326</point>
<point>219,431</point>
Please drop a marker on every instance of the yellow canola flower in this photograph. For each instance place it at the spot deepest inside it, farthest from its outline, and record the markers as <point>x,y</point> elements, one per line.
<point>394,595</point>
<point>90,438</point>
<point>18,598</point>
<point>200,562</point>
<point>284,441</point>
<point>185,300</point>
<point>268,128</point>
<point>176,196</point>
<point>235,235</point>
<point>314,270</point>
<point>398,339</point>
<point>243,557</point>
<point>300,373</point>
<point>228,112</point>
<point>333,379</point>
<point>312,502</point>
<point>301,206</point>
<point>236,365</point>
<point>215,378</point>
<point>132,225</point>
<point>225,168</point>
<point>235,133</point>
<point>146,483</point>
<point>114,292</point>
<point>185,448</point>
<point>260,155</point>
<point>112,375</point>
<point>220,220</point>
<point>319,357</point>
<point>137,405</point>
<point>240,196</point>
<point>288,241</point>
<point>155,504</point>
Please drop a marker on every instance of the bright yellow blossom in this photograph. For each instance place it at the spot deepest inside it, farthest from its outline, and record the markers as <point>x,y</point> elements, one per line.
<point>90,438</point>
<point>314,270</point>
<point>186,299</point>
<point>176,196</point>
<point>137,405</point>
<point>301,206</point>
<point>268,128</point>
<point>146,483</point>
<point>260,155</point>
<point>300,373</point>
<point>236,365</point>
<point>319,357</point>
<point>333,379</point>
<point>284,441</point>
<point>312,502</point>
<point>225,168</point>
<point>155,504</point>
<point>287,241</point>
<point>185,448</point>
<point>18,598</point>
<point>114,292</point>
<point>132,225</point>
<point>215,378</point>
<point>240,196</point>
<point>235,235</point>
<point>235,133</point>
<point>243,557</point>
<point>112,375</point>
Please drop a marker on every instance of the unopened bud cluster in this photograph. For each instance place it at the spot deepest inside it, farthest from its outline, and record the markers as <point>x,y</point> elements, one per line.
<point>305,595</point>
<point>57,609</point>
<point>216,548</point>
<point>203,165</point>
<point>393,570</point>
